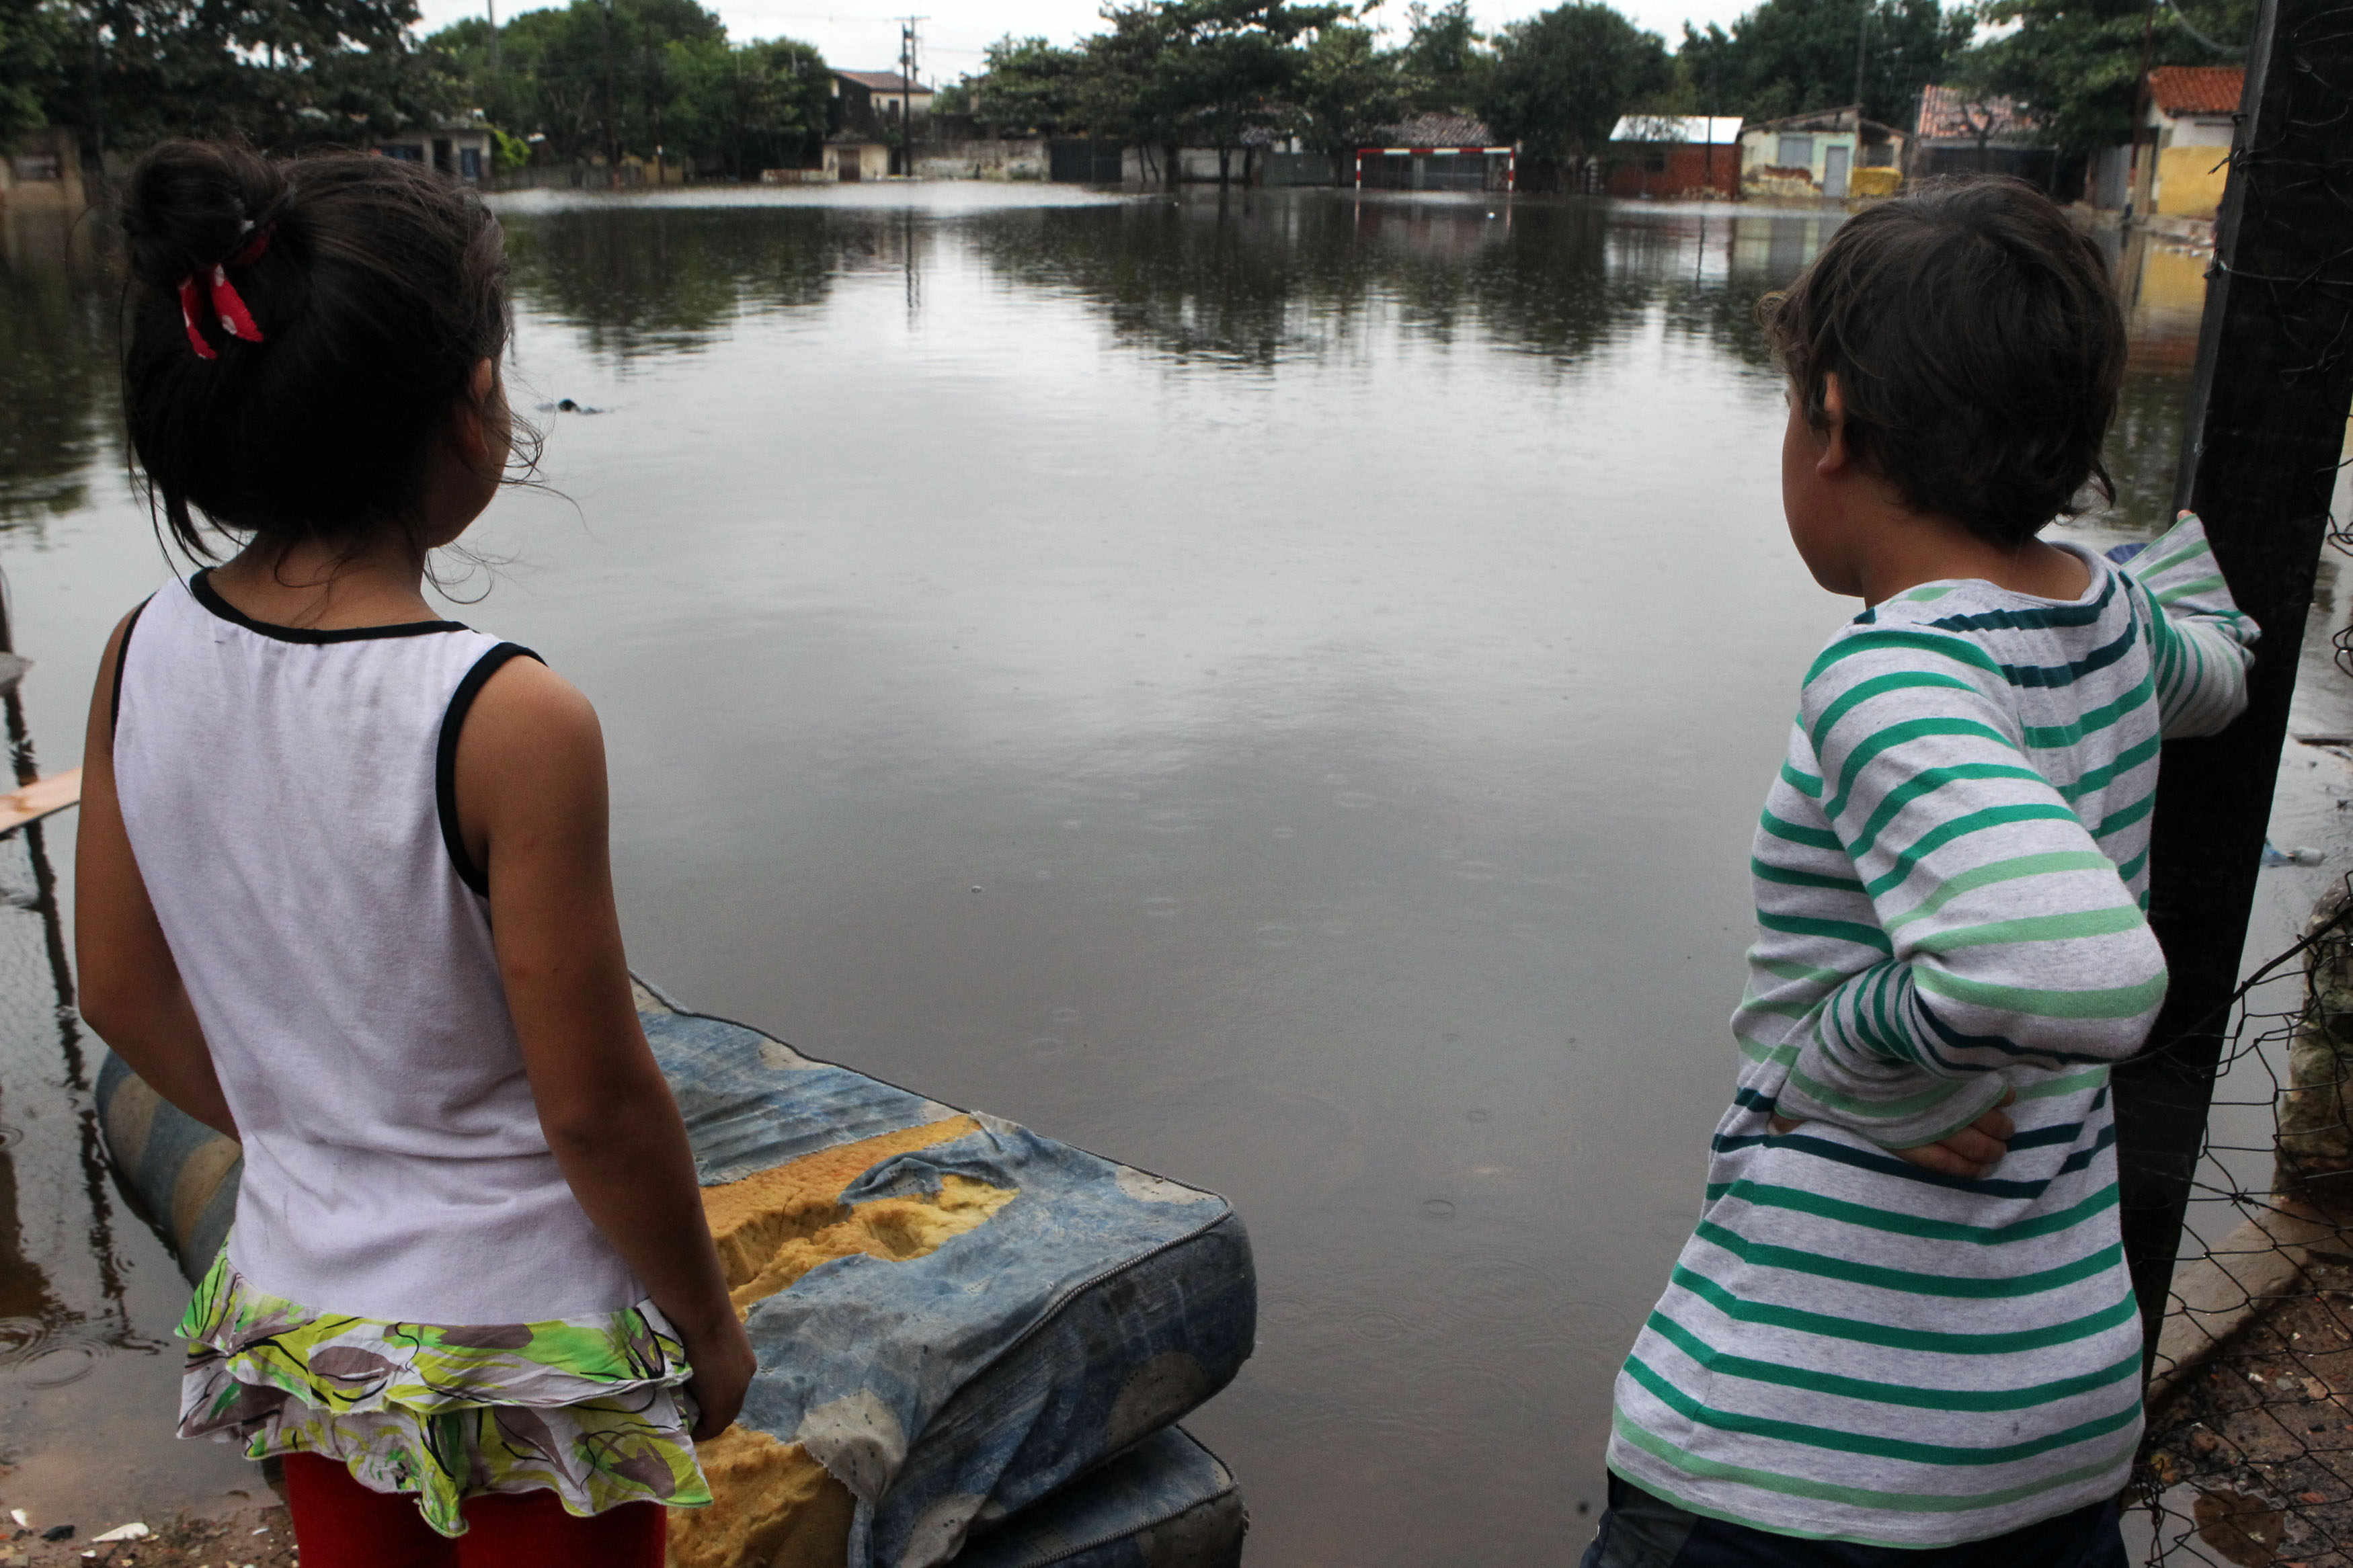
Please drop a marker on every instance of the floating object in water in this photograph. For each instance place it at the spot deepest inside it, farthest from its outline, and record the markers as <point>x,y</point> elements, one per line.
<point>957,1320</point>
<point>2275,856</point>
<point>566,405</point>
<point>135,1530</point>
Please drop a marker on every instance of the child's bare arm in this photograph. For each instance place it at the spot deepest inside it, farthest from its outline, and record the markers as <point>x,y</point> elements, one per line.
<point>130,989</point>
<point>532,806</point>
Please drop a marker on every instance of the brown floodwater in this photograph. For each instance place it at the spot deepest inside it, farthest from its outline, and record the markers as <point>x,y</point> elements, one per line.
<point>1276,691</point>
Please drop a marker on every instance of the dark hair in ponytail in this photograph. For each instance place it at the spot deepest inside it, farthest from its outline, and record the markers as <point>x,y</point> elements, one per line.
<point>378,287</point>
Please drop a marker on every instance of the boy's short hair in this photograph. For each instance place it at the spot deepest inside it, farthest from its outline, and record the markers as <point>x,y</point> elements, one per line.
<point>1979,349</point>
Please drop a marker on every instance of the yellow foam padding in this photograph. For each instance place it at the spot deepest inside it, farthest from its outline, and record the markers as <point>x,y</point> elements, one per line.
<point>774,1505</point>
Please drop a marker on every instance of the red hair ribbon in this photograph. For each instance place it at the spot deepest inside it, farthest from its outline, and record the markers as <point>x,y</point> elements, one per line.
<point>228,304</point>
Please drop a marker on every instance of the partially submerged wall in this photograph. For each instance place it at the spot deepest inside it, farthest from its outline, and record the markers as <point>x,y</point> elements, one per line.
<point>983,158</point>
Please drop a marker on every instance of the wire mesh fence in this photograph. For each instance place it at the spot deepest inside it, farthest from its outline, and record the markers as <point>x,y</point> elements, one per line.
<point>2249,1457</point>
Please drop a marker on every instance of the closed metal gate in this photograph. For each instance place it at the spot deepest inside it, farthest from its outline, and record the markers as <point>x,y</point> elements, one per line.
<point>1079,162</point>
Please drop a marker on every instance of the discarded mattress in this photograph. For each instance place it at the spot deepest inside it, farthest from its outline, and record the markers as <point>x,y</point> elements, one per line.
<point>956,1318</point>
<point>1165,1503</point>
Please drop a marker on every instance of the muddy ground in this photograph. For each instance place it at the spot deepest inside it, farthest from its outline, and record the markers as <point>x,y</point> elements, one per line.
<point>255,1537</point>
<point>2253,1458</point>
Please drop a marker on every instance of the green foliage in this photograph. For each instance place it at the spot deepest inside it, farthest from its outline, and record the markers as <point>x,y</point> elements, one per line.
<point>2078,61</point>
<point>279,72</point>
<point>1026,85</point>
<point>1444,62</point>
<point>1347,86</point>
<point>749,107</point>
<point>30,36</point>
<point>1562,78</point>
<point>1789,57</point>
<point>652,77</point>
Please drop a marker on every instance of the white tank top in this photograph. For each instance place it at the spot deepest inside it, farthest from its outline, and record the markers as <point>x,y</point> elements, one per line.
<point>289,799</point>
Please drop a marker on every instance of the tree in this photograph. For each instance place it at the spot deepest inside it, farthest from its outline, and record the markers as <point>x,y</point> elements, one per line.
<point>1227,66</point>
<point>1562,78</point>
<point>2077,62</point>
<point>745,108</point>
<point>1347,86</point>
<point>279,72</point>
<point>30,36</point>
<point>1789,57</point>
<point>1027,85</point>
<point>1443,63</point>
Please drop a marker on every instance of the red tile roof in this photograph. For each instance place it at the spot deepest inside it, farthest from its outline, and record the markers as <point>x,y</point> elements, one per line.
<point>1437,130</point>
<point>2197,90</point>
<point>1948,114</point>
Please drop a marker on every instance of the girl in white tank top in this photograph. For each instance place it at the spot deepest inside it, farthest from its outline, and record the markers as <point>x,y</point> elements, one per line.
<point>468,1294</point>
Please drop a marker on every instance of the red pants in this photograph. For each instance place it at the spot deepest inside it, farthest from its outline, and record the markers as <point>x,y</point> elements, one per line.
<point>339,1523</point>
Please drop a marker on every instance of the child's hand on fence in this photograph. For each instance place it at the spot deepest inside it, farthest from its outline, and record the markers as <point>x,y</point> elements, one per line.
<point>1972,1152</point>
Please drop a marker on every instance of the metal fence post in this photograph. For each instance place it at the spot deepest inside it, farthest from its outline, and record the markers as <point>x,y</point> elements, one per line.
<point>2265,429</point>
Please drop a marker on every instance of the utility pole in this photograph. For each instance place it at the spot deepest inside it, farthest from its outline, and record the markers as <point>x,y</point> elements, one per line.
<point>1861,34</point>
<point>907,93</point>
<point>490,7</point>
<point>2263,430</point>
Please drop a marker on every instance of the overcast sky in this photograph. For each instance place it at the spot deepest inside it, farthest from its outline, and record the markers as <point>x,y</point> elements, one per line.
<point>865,36</point>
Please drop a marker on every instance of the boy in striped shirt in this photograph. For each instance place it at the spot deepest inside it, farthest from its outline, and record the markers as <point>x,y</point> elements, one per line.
<point>1903,1328</point>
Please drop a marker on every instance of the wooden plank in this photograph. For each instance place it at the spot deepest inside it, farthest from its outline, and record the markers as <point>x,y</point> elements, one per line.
<point>39,799</point>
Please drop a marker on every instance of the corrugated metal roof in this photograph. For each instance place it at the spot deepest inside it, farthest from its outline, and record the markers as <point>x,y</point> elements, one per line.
<point>1697,130</point>
<point>2197,90</point>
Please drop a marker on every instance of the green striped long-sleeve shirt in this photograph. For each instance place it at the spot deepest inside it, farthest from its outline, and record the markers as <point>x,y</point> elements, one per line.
<point>1951,874</point>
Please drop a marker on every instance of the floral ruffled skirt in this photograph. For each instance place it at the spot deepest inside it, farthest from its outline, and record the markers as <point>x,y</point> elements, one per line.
<point>590,1408</point>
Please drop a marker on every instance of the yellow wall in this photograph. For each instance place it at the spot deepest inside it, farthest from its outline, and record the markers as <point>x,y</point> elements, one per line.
<point>1874,182</point>
<point>2190,181</point>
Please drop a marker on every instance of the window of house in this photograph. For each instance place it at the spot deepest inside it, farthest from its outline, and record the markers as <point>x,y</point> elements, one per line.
<point>469,162</point>
<point>1656,163</point>
<point>1795,152</point>
<point>406,152</point>
<point>38,166</point>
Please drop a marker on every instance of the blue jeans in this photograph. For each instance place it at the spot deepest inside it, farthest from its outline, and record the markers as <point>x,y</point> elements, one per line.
<point>1643,1532</point>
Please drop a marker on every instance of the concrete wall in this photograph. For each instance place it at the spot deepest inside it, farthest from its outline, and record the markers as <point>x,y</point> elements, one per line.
<point>988,158</point>
<point>2190,181</point>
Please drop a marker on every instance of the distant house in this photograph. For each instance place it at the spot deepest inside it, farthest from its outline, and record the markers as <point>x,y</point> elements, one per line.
<point>1958,133</point>
<point>2181,151</point>
<point>873,110</point>
<point>1818,153</point>
<point>884,97</point>
<point>454,148</point>
<point>1673,155</point>
<point>1436,152</point>
<point>43,174</point>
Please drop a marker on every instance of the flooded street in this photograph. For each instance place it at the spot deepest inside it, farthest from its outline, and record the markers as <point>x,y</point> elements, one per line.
<point>1277,691</point>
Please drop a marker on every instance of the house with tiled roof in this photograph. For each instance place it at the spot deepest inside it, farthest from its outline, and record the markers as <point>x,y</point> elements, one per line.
<point>2188,114</point>
<point>866,134</point>
<point>1959,132</point>
<point>1437,152</point>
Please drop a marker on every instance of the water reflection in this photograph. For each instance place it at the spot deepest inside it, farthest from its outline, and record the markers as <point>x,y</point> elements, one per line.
<point>54,369</point>
<point>1188,676</point>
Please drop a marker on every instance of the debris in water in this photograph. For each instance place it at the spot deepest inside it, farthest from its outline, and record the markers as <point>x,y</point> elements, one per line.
<point>2275,856</point>
<point>135,1530</point>
<point>58,1532</point>
<point>567,405</point>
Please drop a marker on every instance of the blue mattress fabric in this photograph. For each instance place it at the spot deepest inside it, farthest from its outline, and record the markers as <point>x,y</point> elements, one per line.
<point>1018,1386</point>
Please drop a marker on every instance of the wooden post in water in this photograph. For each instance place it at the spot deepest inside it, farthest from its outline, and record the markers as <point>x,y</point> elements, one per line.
<point>2265,426</point>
